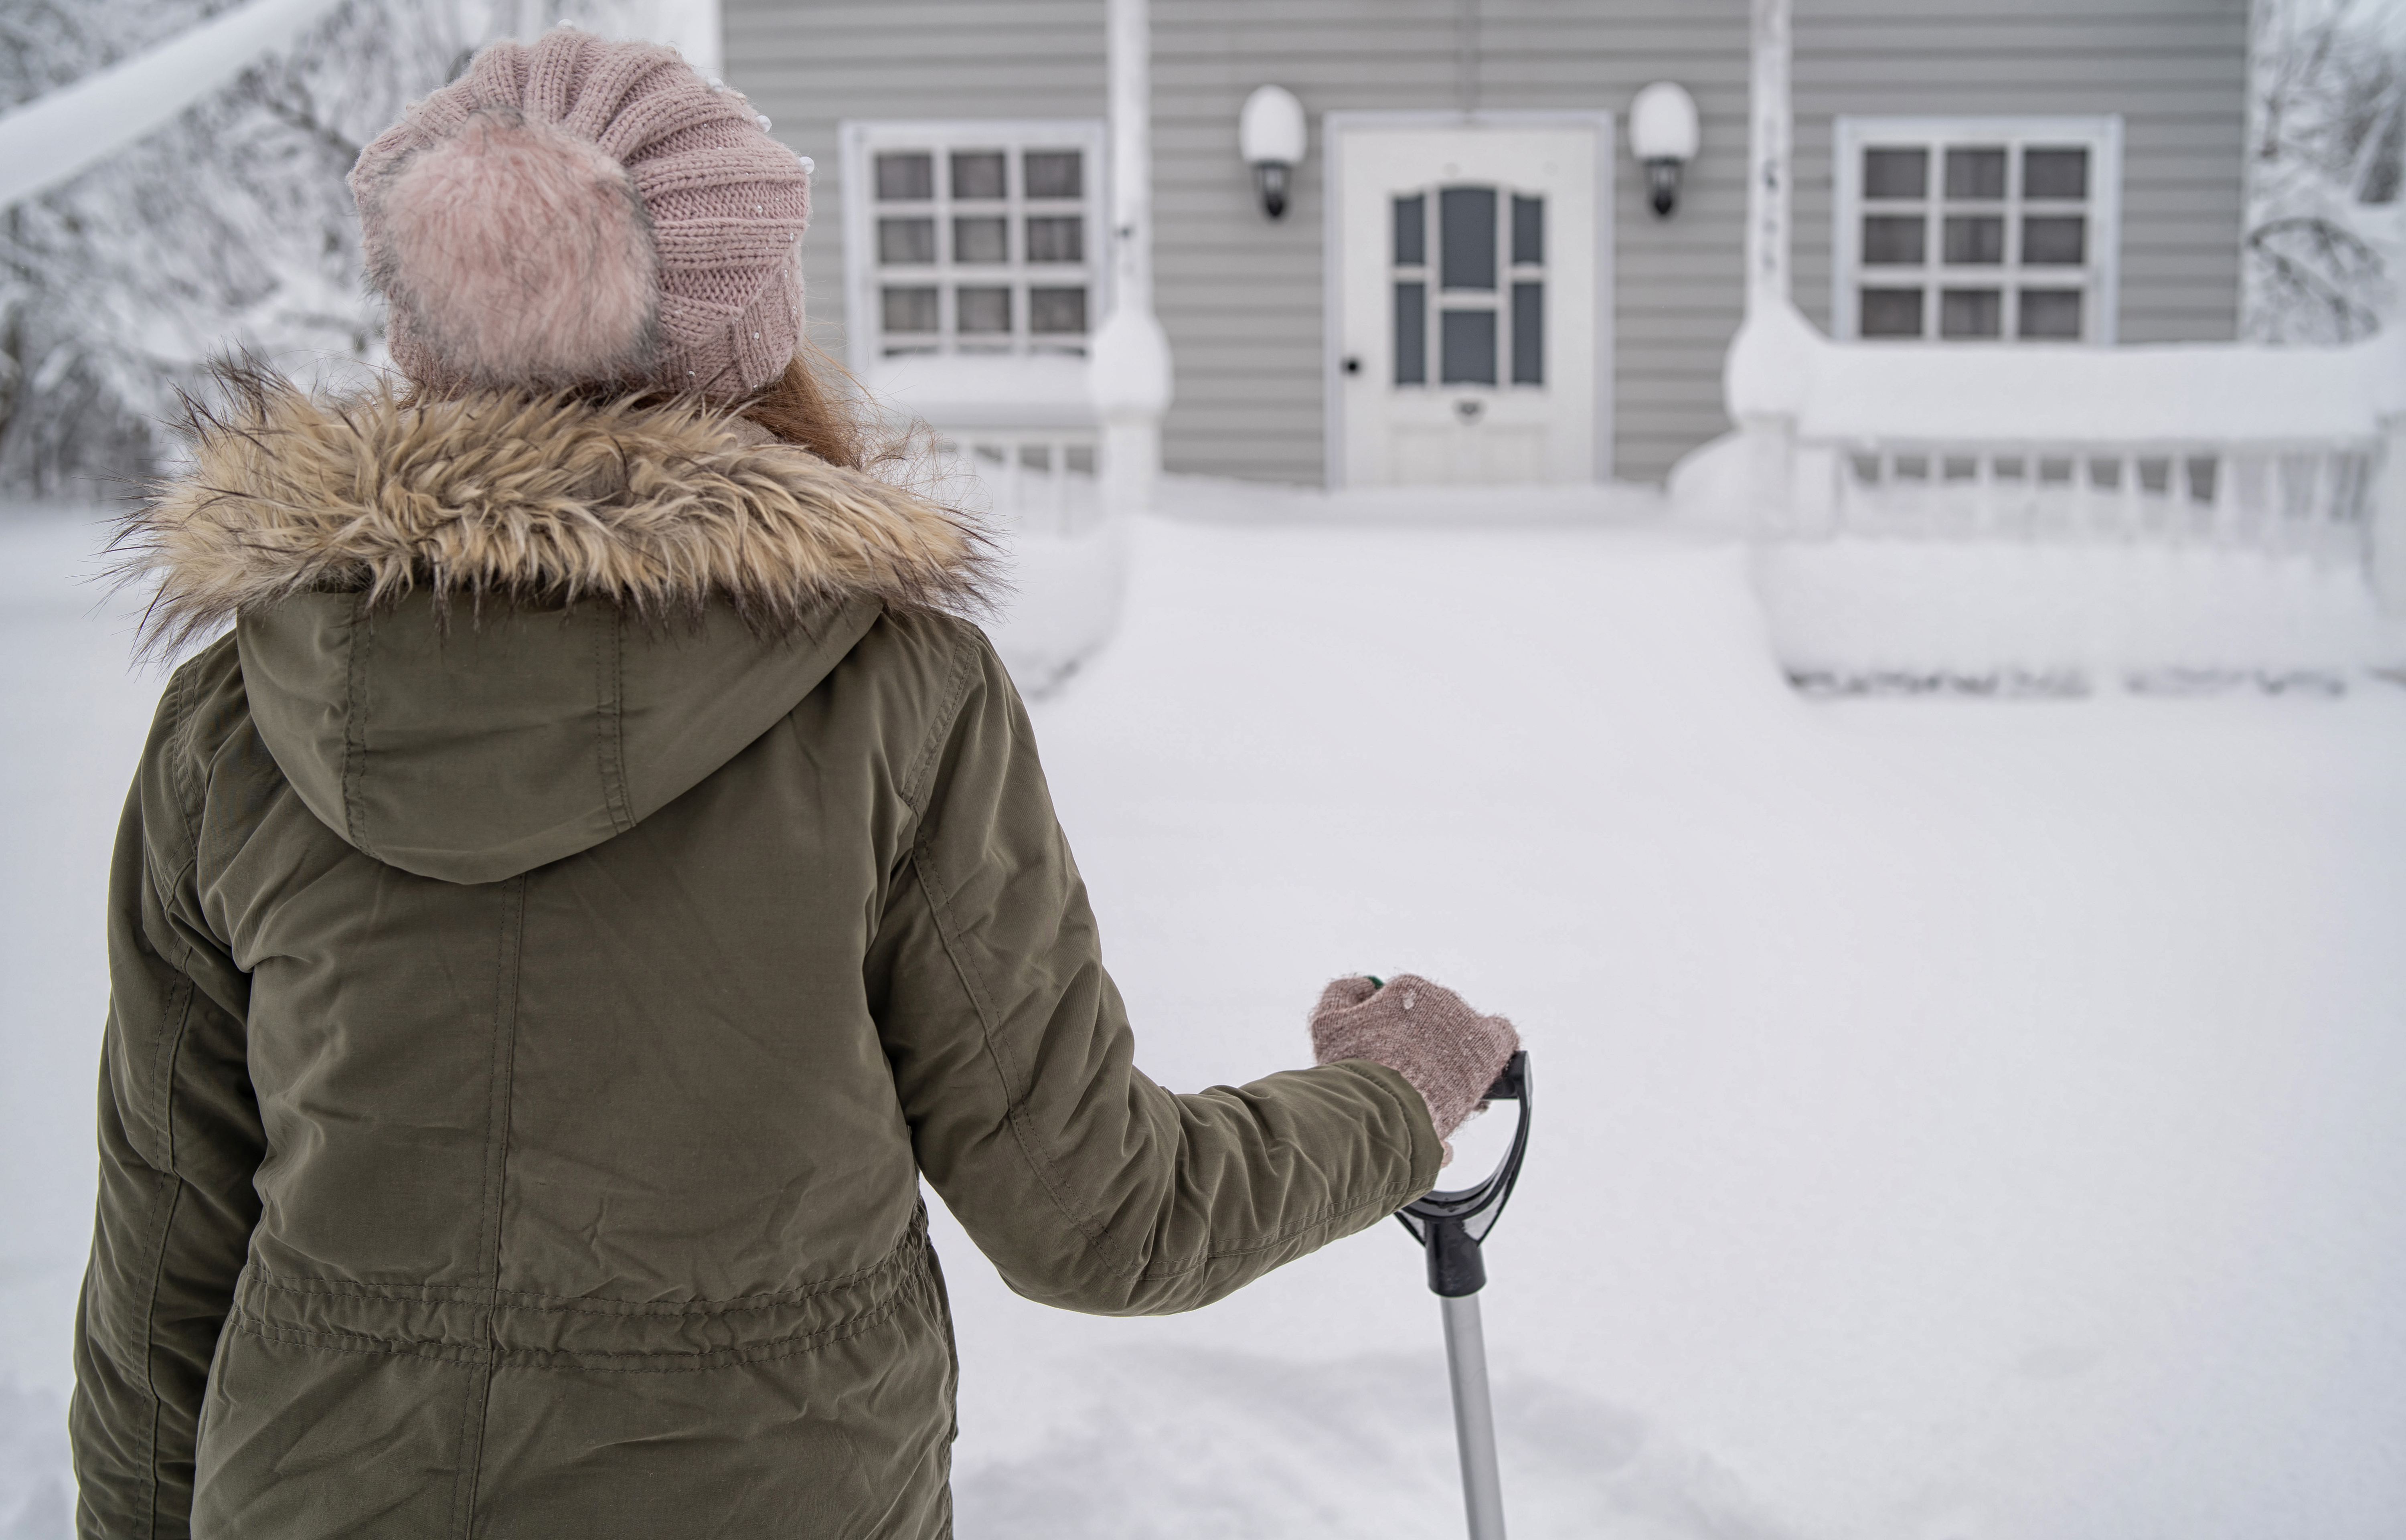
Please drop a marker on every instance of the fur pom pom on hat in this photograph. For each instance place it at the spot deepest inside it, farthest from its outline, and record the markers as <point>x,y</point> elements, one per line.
<point>584,211</point>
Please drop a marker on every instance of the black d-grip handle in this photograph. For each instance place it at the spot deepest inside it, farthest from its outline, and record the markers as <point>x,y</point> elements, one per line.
<point>1451,1224</point>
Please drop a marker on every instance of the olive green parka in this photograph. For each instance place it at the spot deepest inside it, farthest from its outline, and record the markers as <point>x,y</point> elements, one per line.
<point>549,940</point>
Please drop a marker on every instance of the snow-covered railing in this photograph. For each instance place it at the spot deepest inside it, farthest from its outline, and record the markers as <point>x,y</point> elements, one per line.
<point>1018,437</point>
<point>2287,449</point>
<point>2310,497</point>
<point>1040,481</point>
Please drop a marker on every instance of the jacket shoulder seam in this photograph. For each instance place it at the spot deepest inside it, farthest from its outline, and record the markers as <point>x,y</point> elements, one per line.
<point>919,783</point>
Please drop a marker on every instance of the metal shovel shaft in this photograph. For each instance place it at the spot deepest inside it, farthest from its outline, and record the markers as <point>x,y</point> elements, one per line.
<point>1474,1417</point>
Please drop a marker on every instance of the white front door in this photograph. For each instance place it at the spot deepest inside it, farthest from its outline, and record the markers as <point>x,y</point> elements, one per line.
<point>1470,343</point>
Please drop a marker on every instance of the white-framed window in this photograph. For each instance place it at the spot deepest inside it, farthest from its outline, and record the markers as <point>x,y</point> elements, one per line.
<point>972,237</point>
<point>1975,229</point>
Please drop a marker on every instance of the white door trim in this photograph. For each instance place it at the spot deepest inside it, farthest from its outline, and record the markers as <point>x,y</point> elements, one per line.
<point>1332,312</point>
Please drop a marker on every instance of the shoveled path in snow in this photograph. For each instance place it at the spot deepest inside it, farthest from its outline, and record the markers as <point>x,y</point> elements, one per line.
<point>1956,1119</point>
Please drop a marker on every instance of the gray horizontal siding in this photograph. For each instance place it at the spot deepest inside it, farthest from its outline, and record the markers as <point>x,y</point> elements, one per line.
<point>1241,297</point>
<point>2175,70</point>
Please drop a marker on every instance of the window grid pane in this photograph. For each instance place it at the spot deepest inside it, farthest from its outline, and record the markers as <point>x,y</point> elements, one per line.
<point>906,177</point>
<point>1990,202</point>
<point>1976,239</point>
<point>1466,348</point>
<point>1894,240</point>
<point>1411,231</point>
<point>1057,238</point>
<point>2055,174</point>
<point>1467,240</point>
<point>1970,313</point>
<point>1411,333</point>
<point>1896,173</point>
<point>1528,231</point>
<point>983,227</point>
<point>1054,173</point>
<point>1528,333</point>
<point>982,238</point>
<point>1976,173</point>
<point>2051,315</point>
<point>906,241</point>
<point>1891,313</point>
<point>978,174</point>
<point>981,310</point>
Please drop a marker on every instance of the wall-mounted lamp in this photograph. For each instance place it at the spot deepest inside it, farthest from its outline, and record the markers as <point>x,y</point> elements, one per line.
<point>1662,135</point>
<point>1270,138</point>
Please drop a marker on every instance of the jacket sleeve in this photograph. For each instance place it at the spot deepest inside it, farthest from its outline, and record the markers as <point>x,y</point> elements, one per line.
<point>1087,1186</point>
<point>179,1142</point>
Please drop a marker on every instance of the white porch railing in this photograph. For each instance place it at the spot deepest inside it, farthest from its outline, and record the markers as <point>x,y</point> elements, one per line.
<point>2284,450</point>
<point>2313,498</point>
<point>1037,481</point>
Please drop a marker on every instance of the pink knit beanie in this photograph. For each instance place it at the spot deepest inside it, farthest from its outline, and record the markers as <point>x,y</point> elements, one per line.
<point>585,212</point>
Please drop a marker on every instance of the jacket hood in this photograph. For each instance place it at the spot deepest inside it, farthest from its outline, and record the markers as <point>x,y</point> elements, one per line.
<point>646,590</point>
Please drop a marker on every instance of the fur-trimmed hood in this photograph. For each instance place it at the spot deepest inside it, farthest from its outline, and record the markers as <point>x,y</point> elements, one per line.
<point>480,636</point>
<point>660,509</point>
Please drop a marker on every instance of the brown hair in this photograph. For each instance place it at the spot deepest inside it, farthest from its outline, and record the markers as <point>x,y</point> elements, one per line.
<point>817,405</point>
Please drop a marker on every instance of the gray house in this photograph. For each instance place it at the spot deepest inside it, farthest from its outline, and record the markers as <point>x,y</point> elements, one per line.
<point>1469,279</point>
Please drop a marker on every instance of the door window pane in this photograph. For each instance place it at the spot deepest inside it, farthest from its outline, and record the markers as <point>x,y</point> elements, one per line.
<point>1053,173</point>
<point>1528,231</point>
<point>1896,173</point>
<point>1891,312</point>
<point>905,178</point>
<point>986,238</point>
<point>1892,240</point>
<point>1975,239</point>
<point>909,309</point>
<point>1412,332</point>
<point>1057,312</point>
<point>1411,231</point>
<point>906,240</point>
<point>2055,240</point>
<point>1057,238</point>
<point>1976,174</point>
<point>1528,333</point>
<point>983,309</point>
<point>1466,347</point>
<point>977,173</point>
<point>1466,219</point>
<point>1970,313</point>
<point>2055,174</point>
<point>2052,314</point>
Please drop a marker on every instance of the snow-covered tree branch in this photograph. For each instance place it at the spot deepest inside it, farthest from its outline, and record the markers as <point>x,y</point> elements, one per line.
<point>2327,155</point>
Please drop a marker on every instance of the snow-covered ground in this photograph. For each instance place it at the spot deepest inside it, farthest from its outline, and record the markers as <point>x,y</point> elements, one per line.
<point>1957,1118</point>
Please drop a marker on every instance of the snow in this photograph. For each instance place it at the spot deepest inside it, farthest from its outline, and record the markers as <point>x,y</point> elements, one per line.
<point>2082,614</point>
<point>1956,1119</point>
<point>2020,392</point>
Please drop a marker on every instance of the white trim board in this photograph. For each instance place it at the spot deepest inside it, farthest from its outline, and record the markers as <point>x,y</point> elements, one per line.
<point>1332,259</point>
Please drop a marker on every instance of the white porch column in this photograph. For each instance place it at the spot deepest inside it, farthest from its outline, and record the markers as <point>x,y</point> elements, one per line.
<point>1763,373</point>
<point>1769,133</point>
<point>1128,374</point>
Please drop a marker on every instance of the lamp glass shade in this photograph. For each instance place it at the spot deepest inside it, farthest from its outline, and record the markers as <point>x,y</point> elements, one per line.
<point>1272,127</point>
<point>1662,123</point>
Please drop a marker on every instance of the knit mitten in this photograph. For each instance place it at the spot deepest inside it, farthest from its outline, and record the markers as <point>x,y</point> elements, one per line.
<point>1425,1032</point>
